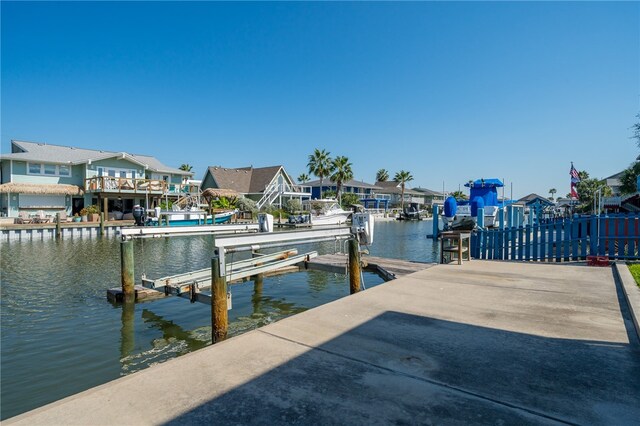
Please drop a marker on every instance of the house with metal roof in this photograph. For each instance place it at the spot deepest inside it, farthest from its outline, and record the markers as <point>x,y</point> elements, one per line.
<point>393,189</point>
<point>40,176</point>
<point>267,186</point>
<point>430,197</point>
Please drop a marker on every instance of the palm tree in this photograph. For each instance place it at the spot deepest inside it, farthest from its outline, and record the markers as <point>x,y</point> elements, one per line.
<point>342,172</point>
<point>552,191</point>
<point>382,175</point>
<point>185,167</point>
<point>403,177</point>
<point>303,178</point>
<point>320,164</point>
<point>459,195</point>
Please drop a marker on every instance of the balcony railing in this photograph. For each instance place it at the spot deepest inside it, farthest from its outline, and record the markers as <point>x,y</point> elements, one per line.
<point>125,185</point>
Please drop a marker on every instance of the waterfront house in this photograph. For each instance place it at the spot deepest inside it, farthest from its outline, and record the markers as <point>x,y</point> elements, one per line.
<point>40,176</point>
<point>614,183</point>
<point>393,189</point>
<point>360,188</point>
<point>535,199</point>
<point>370,196</point>
<point>430,197</point>
<point>267,186</point>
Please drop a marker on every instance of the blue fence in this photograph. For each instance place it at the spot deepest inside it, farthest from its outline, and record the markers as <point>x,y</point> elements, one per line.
<point>616,236</point>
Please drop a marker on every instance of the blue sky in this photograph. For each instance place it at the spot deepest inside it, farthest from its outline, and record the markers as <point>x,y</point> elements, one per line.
<point>450,91</point>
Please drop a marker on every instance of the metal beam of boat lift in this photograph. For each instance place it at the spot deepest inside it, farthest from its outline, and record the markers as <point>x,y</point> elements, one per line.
<point>191,284</point>
<point>253,242</point>
<point>181,284</point>
<point>162,232</point>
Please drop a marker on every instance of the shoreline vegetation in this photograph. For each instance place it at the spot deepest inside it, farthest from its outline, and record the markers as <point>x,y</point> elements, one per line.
<point>634,268</point>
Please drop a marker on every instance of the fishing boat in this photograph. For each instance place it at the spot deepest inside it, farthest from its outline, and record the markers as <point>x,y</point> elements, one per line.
<point>326,211</point>
<point>410,212</point>
<point>483,193</point>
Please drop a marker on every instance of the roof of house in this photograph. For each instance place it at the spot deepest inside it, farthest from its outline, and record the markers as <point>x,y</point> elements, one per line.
<point>351,182</point>
<point>615,175</point>
<point>34,151</point>
<point>428,192</point>
<point>531,198</point>
<point>245,180</point>
<point>393,187</point>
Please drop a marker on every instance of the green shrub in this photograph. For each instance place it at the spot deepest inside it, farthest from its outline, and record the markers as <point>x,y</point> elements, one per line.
<point>292,205</point>
<point>247,205</point>
<point>224,203</point>
<point>93,209</point>
<point>348,199</point>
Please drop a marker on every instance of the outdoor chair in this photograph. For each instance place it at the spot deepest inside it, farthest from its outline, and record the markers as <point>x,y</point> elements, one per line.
<point>41,217</point>
<point>64,217</point>
<point>23,218</point>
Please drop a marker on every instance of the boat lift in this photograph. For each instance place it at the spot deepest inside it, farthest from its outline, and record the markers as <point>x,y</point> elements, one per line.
<point>190,285</point>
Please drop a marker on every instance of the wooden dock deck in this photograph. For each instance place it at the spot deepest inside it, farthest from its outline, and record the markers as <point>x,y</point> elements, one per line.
<point>388,269</point>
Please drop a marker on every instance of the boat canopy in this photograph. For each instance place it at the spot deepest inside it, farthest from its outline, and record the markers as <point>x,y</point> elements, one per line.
<point>490,183</point>
<point>485,189</point>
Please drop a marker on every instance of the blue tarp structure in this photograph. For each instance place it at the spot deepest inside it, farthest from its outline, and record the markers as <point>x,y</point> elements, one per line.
<point>486,189</point>
<point>496,183</point>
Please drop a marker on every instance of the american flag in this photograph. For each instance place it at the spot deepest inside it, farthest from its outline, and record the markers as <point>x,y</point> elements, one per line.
<point>575,178</point>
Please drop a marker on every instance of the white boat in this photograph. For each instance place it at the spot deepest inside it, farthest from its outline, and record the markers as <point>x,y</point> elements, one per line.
<point>190,217</point>
<point>327,211</point>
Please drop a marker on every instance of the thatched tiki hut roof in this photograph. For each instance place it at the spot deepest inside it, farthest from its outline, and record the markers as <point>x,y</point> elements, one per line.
<point>40,189</point>
<point>213,193</point>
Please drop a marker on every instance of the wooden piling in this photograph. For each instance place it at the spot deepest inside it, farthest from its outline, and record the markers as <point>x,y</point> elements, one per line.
<point>219,314</point>
<point>127,272</point>
<point>354,266</point>
<point>102,224</point>
<point>58,226</point>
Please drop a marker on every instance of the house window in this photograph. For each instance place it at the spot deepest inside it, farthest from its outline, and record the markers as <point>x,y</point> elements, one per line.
<point>48,169</point>
<point>116,172</point>
<point>64,170</point>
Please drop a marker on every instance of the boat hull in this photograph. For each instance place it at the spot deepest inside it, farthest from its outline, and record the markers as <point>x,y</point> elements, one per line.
<point>193,219</point>
<point>333,219</point>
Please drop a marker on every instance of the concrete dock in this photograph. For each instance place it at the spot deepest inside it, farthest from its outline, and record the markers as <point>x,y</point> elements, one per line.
<point>481,343</point>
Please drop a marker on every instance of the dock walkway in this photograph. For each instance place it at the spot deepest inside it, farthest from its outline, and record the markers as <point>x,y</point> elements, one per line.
<point>388,268</point>
<point>482,343</point>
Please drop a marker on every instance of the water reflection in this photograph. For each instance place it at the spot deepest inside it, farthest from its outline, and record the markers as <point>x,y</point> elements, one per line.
<point>171,331</point>
<point>318,281</point>
<point>256,298</point>
<point>127,330</point>
<point>50,290</point>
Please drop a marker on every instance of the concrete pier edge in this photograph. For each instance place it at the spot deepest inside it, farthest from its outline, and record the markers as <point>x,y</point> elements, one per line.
<point>631,292</point>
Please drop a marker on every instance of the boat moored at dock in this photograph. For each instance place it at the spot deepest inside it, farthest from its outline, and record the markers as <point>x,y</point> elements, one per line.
<point>483,194</point>
<point>327,211</point>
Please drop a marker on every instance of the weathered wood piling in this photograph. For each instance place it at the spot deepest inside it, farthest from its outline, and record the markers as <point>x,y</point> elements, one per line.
<point>58,227</point>
<point>127,271</point>
<point>219,313</point>
<point>354,266</point>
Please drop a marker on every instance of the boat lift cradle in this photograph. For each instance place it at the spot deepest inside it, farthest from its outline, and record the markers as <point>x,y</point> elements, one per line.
<point>190,285</point>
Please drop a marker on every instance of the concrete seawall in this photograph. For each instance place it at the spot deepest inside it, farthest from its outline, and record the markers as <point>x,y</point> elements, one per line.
<point>482,343</point>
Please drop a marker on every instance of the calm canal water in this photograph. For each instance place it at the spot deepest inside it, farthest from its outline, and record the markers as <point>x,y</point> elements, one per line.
<point>60,336</point>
